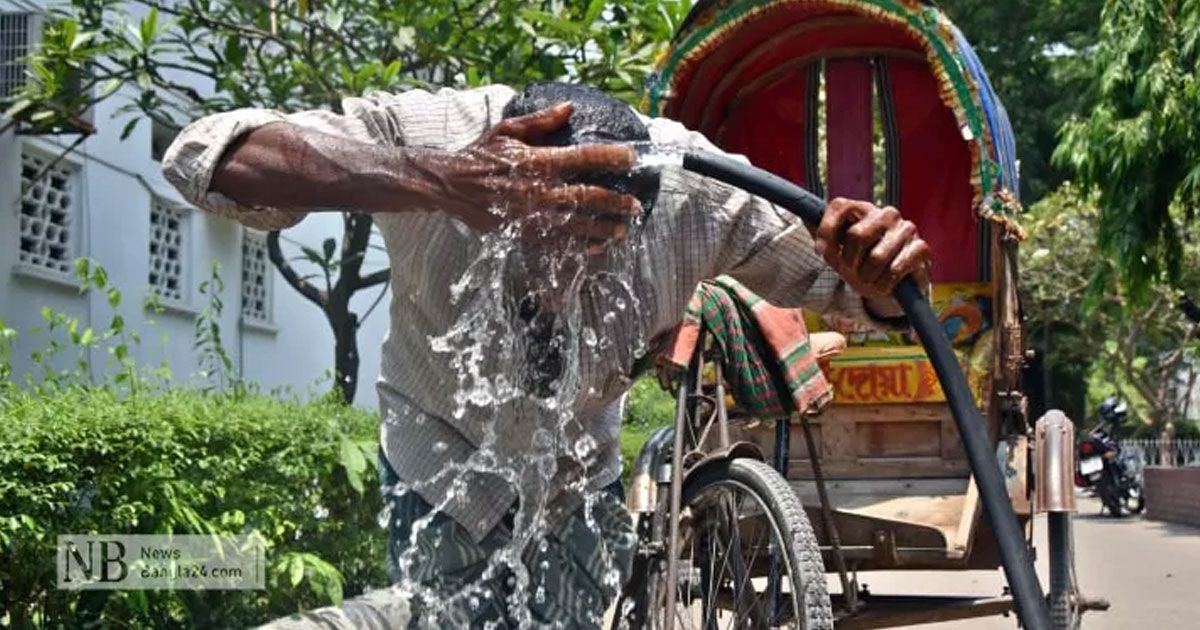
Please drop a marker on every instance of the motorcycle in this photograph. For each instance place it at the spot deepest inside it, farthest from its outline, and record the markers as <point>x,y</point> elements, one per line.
<point>1113,473</point>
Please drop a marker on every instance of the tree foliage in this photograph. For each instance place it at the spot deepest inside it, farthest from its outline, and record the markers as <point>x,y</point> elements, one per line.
<point>100,443</point>
<point>1139,148</point>
<point>91,459</point>
<point>294,56</point>
<point>1145,353</point>
<point>1036,53</point>
<point>173,60</point>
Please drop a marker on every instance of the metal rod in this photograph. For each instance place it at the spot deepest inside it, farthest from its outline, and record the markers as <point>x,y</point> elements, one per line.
<point>683,414</point>
<point>1032,610</point>
<point>783,444</point>
<point>675,500</point>
<point>835,540</point>
<point>722,412</point>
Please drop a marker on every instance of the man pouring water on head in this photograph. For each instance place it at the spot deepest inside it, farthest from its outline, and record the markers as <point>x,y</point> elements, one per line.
<point>532,267</point>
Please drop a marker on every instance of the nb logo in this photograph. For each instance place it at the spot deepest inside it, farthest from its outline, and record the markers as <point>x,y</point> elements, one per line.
<point>92,561</point>
<point>160,562</point>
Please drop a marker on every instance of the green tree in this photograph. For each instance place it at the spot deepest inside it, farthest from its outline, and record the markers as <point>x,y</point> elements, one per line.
<point>1139,148</point>
<point>304,55</point>
<point>1036,53</point>
<point>1145,353</point>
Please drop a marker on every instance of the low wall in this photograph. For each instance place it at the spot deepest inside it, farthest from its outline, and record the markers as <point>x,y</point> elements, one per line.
<point>1173,494</point>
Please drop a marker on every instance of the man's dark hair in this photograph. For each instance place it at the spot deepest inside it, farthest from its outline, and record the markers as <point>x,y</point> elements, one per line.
<point>598,118</point>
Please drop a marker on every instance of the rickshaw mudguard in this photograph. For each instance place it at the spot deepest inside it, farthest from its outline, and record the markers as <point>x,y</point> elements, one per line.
<point>735,450</point>
<point>652,467</point>
<point>1054,463</point>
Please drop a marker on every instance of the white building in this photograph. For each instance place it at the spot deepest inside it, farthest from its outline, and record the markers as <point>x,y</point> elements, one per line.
<point>108,201</point>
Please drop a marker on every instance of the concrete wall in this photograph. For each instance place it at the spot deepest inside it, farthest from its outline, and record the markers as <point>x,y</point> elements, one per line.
<point>116,182</point>
<point>1173,494</point>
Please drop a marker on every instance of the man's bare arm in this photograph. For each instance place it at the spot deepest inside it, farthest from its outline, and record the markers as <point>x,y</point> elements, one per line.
<point>497,179</point>
<point>292,168</point>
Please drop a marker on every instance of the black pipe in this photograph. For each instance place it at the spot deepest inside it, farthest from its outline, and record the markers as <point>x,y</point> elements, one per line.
<point>1018,566</point>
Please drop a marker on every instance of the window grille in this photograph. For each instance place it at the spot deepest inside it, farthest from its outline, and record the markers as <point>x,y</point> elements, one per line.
<point>46,227</point>
<point>256,278</point>
<point>168,253</point>
<point>20,35</point>
<point>14,46</point>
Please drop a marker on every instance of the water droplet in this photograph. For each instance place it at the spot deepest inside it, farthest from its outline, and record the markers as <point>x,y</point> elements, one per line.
<point>589,337</point>
<point>612,578</point>
<point>620,303</point>
<point>584,447</point>
<point>440,447</point>
<point>610,317</point>
<point>543,440</point>
<point>546,467</point>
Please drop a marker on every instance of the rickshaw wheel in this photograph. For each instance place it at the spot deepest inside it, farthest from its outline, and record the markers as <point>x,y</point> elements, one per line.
<point>749,558</point>
<point>1065,613</point>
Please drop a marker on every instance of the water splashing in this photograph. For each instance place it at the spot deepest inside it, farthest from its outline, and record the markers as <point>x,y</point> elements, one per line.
<point>655,155</point>
<point>534,330</point>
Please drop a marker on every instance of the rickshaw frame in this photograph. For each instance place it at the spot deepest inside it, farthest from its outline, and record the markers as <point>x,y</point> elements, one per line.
<point>1038,458</point>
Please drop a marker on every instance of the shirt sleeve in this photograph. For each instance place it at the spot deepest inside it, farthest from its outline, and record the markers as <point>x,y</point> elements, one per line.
<point>448,119</point>
<point>768,249</point>
<point>192,158</point>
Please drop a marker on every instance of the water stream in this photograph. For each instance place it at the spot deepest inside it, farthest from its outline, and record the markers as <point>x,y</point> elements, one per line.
<point>656,155</point>
<point>539,328</point>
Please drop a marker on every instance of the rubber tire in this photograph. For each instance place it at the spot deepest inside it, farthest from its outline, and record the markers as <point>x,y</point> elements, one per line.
<point>1062,572</point>
<point>1138,507</point>
<point>1107,493</point>
<point>803,555</point>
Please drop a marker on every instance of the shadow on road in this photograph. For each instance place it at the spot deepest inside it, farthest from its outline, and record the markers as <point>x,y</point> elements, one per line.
<point>1150,526</point>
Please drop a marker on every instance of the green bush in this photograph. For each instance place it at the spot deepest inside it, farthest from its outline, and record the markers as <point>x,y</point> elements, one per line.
<point>648,408</point>
<point>78,460</point>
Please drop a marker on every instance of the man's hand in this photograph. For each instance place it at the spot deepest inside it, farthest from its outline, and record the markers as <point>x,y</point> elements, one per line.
<point>500,178</point>
<point>872,248</point>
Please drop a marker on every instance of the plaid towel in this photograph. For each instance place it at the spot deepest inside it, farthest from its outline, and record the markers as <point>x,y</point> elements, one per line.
<point>759,344</point>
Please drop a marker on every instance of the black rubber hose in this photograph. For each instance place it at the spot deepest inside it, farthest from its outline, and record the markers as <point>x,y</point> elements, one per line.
<point>1018,565</point>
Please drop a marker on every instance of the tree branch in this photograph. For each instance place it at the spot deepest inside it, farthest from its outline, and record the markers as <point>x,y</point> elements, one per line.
<point>371,309</point>
<point>302,286</point>
<point>376,277</point>
<point>357,238</point>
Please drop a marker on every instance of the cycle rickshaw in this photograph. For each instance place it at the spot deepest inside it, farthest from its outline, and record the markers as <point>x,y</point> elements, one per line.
<point>741,517</point>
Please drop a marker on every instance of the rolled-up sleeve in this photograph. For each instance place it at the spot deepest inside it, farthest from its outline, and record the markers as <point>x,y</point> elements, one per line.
<point>764,247</point>
<point>193,157</point>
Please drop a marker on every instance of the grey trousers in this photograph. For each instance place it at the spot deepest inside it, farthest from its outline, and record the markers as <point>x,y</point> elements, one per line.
<point>573,572</point>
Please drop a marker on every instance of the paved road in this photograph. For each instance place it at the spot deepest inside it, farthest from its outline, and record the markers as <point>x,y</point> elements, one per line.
<point>1149,571</point>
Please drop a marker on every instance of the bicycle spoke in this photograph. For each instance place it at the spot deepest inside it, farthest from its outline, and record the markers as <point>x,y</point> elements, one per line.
<point>735,571</point>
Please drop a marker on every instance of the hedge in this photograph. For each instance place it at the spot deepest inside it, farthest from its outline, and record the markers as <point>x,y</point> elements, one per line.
<point>87,460</point>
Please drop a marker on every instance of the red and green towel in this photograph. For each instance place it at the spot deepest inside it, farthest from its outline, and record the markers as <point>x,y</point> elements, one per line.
<point>754,337</point>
